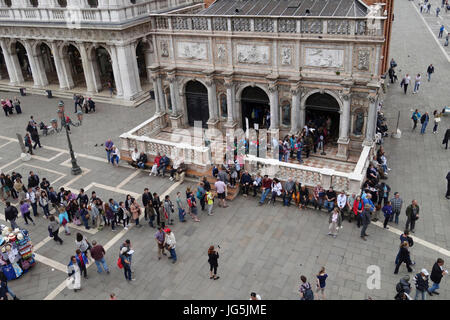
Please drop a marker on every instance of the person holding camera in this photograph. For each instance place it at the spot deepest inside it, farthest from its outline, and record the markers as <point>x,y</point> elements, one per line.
<point>213,256</point>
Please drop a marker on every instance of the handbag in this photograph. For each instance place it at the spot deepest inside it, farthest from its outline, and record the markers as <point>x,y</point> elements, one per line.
<point>437,120</point>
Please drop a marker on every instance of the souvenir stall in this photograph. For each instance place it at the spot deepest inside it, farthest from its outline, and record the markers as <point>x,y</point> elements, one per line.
<point>16,256</point>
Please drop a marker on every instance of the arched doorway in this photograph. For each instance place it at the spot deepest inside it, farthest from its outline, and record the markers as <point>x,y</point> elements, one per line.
<point>197,103</point>
<point>255,105</point>
<point>322,111</point>
<point>142,50</point>
<point>48,62</point>
<point>3,69</point>
<point>74,66</point>
<point>104,73</point>
<point>24,62</point>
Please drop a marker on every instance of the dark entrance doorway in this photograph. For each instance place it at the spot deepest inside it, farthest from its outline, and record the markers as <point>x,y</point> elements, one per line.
<point>3,69</point>
<point>197,103</point>
<point>322,110</point>
<point>255,104</point>
<point>22,55</point>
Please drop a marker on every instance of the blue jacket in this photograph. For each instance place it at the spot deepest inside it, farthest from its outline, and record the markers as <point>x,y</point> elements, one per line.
<point>63,215</point>
<point>164,161</point>
<point>387,211</point>
<point>366,200</point>
<point>85,259</point>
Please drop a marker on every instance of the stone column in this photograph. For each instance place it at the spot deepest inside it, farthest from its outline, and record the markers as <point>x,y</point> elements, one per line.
<point>116,71</point>
<point>344,124</point>
<point>12,63</point>
<point>39,76</point>
<point>176,116</point>
<point>154,76</point>
<point>212,101</point>
<point>87,68</point>
<point>274,112</point>
<point>60,70</point>
<point>128,69</point>
<point>67,68</point>
<point>231,93</point>
<point>295,109</point>
<point>371,118</point>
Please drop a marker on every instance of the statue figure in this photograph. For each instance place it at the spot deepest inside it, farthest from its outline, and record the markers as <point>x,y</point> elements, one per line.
<point>359,122</point>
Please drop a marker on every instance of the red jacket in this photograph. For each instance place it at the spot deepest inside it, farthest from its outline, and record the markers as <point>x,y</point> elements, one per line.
<point>267,183</point>
<point>157,159</point>
<point>356,205</point>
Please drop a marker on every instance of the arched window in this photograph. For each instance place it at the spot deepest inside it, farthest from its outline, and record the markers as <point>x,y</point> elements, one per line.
<point>62,3</point>
<point>93,3</point>
<point>358,123</point>
<point>34,3</point>
<point>8,3</point>
<point>286,113</point>
<point>223,105</point>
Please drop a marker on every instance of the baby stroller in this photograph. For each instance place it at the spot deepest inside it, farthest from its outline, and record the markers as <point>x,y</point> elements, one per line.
<point>46,130</point>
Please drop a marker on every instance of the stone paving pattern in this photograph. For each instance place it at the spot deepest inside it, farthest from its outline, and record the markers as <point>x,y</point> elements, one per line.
<point>264,249</point>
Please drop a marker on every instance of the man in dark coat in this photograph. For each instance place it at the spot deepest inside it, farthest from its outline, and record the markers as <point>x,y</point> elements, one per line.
<point>365,219</point>
<point>11,214</point>
<point>436,275</point>
<point>446,138</point>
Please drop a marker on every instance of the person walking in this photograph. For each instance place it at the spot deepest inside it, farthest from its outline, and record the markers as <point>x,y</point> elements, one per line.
<point>25,210</point>
<point>387,210</point>
<point>424,121</point>
<point>53,228</point>
<point>437,272</point>
<point>437,119</point>
<point>446,138</point>
<point>305,290</point>
<point>321,278</point>
<point>171,243</point>
<point>125,259</point>
<point>335,221</point>
<point>430,70</point>
<point>404,257</point>
<point>98,254</point>
<point>405,237</point>
<point>365,220</point>
<point>11,214</point>
<point>82,243</point>
<point>213,257</point>
<point>64,219</point>
<point>412,214</point>
<point>447,195</point>
<point>82,262</point>
<point>417,83</point>
<point>403,287</point>
<point>405,82</point>
<point>74,272</point>
<point>160,240</point>
<point>415,117</point>
<point>421,281</point>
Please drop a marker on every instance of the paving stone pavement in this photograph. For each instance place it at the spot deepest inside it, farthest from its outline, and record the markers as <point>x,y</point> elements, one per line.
<point>263,249</point>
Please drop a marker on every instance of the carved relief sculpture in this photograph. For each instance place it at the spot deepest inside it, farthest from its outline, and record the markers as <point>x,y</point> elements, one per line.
<point>164,49</point>
<point>252,54</point>
<point>192,50</point>
<point>363,60</point>
<point>359,123</point>
<point>286,56</point>
<point>221,52</point>
<point>329,58</point>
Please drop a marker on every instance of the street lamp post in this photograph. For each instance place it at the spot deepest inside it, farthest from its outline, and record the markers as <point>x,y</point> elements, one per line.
<point>76,170</point>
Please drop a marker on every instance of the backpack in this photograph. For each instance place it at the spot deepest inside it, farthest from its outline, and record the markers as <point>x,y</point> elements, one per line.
<point>308,295</point>
<point>189,201</point>
<point>399,287</point>
<point>119,263</point>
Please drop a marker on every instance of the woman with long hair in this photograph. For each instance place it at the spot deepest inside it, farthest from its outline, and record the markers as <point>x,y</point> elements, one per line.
<point>321,277</point>
<point>213,256</point>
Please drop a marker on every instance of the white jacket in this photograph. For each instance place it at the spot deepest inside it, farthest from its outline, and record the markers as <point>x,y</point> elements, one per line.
<point>170,240</point>
<point>277,188</point>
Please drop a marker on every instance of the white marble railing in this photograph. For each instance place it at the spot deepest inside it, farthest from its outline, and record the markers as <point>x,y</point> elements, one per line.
<point>310,176</point>
<point>139,137</point>
<point>269,24</point>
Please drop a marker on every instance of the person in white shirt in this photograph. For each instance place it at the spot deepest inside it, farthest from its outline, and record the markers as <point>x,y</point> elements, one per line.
<point>134,157</point>
<point>342,202</point>
<point>32,199</point>
<point>417,83</point>
<point>115,155</point>
<point>276,190</point>
<point>405,82</point>
<point>335,222</point>
<point>171,244</point>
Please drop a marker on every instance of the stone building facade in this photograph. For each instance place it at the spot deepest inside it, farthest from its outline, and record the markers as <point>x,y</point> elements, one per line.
<point>80,45</point>
<point>223,63</point>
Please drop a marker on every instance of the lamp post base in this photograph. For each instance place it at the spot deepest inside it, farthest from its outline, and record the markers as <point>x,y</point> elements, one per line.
<point>76,170</point>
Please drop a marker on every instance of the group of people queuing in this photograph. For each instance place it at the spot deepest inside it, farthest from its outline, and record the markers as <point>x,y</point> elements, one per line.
<point>9,106</point>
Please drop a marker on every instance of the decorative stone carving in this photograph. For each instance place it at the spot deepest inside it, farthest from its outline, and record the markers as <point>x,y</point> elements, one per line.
<point>363,60</point>
<point>328,58</point>
<point>345,96</point>
<point>192,50</point>
<point>221,52</point>
<point>164,49</point>
<point>286,56</point>
<point>371,98</point>
<point>252,54</point>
